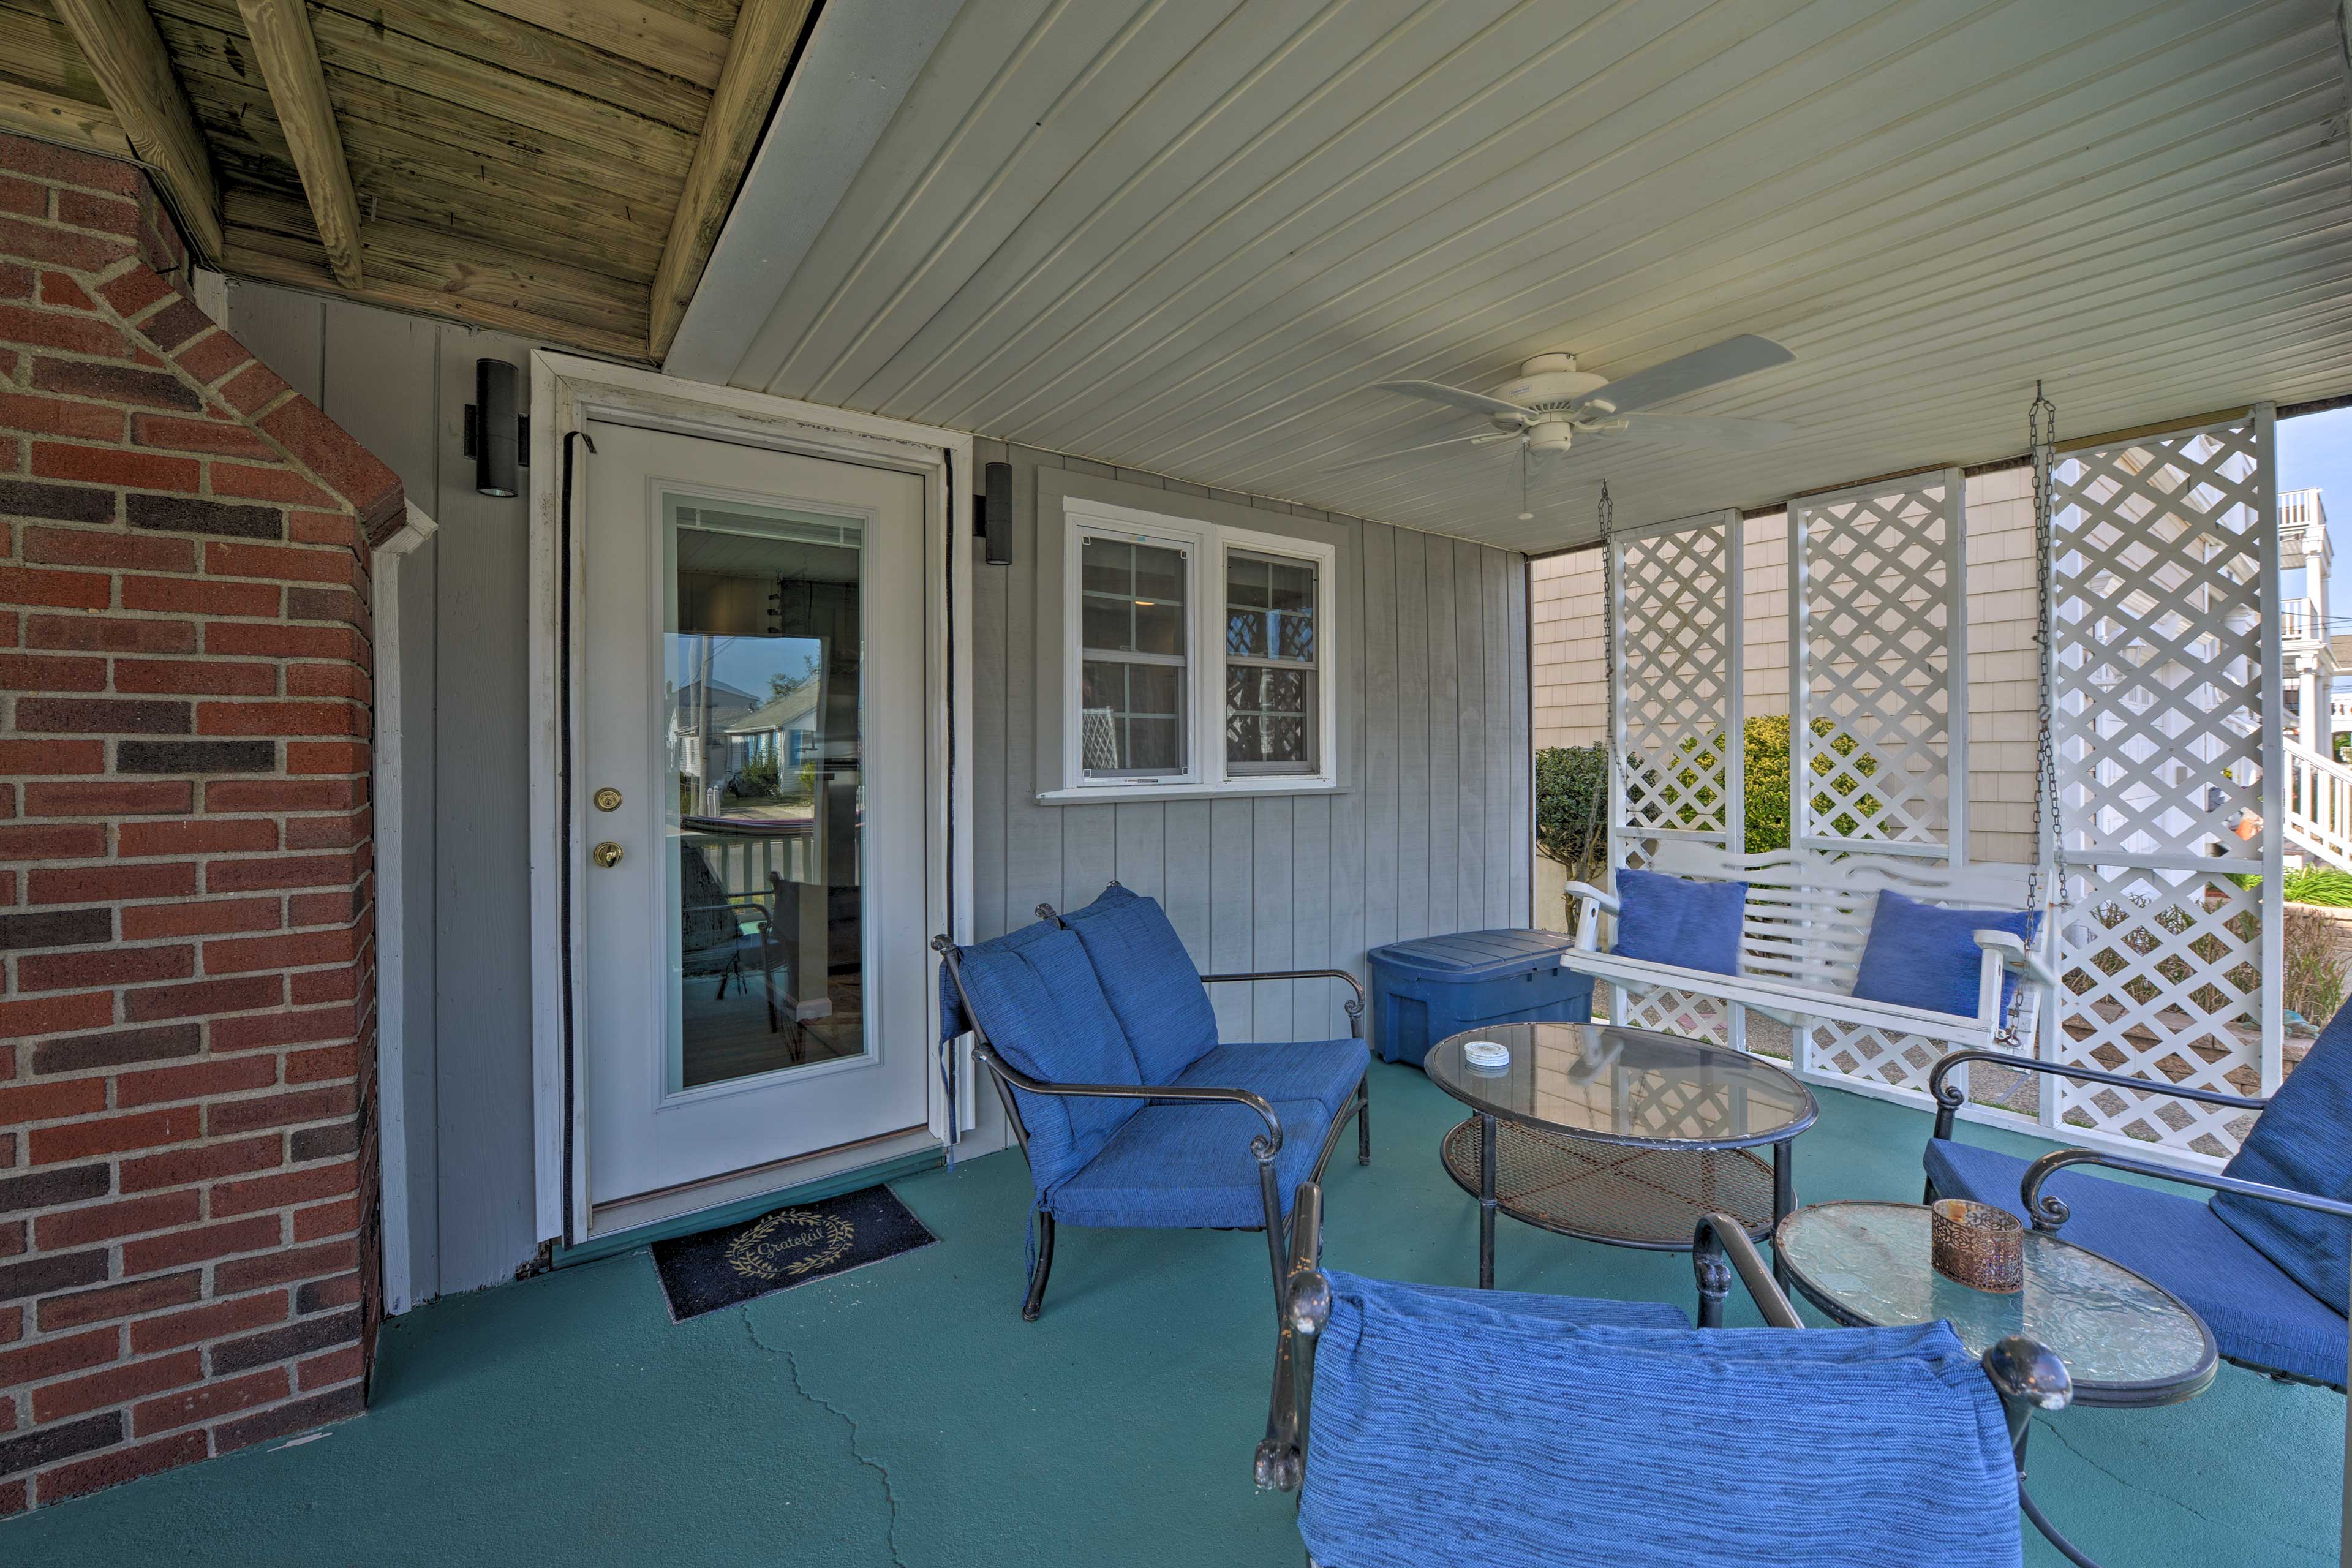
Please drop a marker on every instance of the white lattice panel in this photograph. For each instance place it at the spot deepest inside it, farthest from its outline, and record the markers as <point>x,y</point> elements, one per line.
<point>2169,728</point>
<point>1878,617</point>
<point>1676,682</point>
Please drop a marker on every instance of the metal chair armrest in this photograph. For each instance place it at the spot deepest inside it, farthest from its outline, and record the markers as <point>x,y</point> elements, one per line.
<point>1949,1097</point>
<point>1353,1006</point>
<point>1719,1247</point>
<point>2049,1210</point>
<point>1263,1145</point>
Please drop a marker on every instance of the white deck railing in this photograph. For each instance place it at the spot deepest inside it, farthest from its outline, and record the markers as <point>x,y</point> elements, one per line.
<point>2318,804</point>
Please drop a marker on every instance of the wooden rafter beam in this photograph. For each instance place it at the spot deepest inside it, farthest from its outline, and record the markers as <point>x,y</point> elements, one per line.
<point>126,54</point>
<point>289,56</point>
<point>766,33</point>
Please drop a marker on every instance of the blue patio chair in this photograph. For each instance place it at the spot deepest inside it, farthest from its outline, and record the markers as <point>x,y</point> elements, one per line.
<point>1490,1427</point>
<point>2266,1262</point>
<point>1097,1032</point>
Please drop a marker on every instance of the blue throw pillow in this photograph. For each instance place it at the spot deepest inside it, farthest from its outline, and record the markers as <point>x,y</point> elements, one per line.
<point>2300,1142</point>
<point>1924,955</point>
<point>1691,925</point>
<point>1035,995</point>
<point>1148,977</point>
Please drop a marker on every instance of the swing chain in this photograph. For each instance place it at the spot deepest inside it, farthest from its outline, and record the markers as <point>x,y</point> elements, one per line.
<point>2041,428</point>
<point>1606,785</point>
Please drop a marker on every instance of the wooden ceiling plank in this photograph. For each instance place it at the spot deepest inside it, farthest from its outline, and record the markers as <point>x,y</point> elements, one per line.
<point>52,117</point>
<point>659,38</point>
<point>39,51</point>
<point>457,265</point>
<point>718,15</point>
<point>766,33</point>
<point>374,114</point>
<point>280,33</point>
<point>268,258</point>
<point>126,54</point>
<point>638,82</point>
<point>525,110</point>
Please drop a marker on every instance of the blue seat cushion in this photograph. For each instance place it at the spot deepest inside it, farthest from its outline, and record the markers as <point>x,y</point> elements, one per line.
<point>1325,1071</point>
<point>2257,1313</point>
<point>1586,1311</point>
<point>1672,920</point>
<point>2303,1141</point>
<point>1179,1165</point>
<point>1465,1431</point>
<point>1143,968</point>
<point>1924,955</point>
<point>1037,1001</point>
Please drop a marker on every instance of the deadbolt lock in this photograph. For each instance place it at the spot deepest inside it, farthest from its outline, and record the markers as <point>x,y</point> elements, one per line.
<point>607,854</point>
<point>606,799</point>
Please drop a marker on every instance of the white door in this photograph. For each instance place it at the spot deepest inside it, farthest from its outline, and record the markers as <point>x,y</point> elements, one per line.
<point>751,734</point>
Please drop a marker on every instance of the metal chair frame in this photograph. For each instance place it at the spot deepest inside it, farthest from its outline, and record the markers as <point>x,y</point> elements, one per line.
<point>1264,1146</point>
<point>2048,1211</point>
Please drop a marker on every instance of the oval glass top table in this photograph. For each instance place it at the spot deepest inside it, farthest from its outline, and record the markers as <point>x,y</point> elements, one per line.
<point>2126,1342</point>
<point>1615,1135</point>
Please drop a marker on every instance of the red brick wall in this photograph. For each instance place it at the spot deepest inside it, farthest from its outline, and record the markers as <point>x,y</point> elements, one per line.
<point>188,1262</point>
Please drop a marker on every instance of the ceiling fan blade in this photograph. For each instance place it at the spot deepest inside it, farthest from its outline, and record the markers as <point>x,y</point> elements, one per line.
<point>1459,397</point>
<point>1710,366</point>
<point>1699,430</point>
<point>1425,446</point>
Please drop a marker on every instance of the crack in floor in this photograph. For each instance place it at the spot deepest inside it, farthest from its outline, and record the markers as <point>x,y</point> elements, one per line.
<point>792,1368</point>
<point>2132,1486</point>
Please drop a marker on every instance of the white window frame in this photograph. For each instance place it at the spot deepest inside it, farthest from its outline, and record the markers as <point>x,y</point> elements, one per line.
<point>1204,544</point>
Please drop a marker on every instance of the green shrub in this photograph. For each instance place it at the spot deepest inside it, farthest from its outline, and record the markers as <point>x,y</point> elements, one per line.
<point>2321,886</point>
<point>1572,808</point>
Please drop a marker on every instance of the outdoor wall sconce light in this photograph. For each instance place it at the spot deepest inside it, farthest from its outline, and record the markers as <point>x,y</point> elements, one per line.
<point>991,514</point>
<point>497,437</point>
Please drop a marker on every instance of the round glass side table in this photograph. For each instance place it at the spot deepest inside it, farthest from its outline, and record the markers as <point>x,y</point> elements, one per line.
<point>2128,1343</point>
<point>1622,1136</point>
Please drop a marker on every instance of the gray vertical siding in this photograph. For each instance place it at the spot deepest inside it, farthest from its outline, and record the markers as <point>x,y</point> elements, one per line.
<point>1432,833</point>
<point>400,385</point>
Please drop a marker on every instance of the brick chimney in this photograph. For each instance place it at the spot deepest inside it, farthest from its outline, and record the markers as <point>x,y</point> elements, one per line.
<point>189,1260</point>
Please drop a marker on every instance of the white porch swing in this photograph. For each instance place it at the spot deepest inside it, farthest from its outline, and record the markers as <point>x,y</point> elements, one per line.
<point>1877,771</point>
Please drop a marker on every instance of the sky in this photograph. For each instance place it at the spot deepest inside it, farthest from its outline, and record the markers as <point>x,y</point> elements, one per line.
<point>2315,452</point>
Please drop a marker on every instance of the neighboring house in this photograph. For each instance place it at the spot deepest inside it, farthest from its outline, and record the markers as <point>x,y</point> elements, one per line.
<point>707,708</point>
<point>781,730</point>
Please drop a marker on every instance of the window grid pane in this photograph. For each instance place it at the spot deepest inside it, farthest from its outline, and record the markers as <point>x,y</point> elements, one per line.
<point>1272,690</point>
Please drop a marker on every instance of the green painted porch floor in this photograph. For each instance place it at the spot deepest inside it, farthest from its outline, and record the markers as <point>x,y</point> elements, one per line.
<point>905,1413</point>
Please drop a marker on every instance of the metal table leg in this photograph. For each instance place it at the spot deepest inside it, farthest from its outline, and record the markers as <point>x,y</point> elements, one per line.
<point>2049,1531</point>
<point>1487,1203</point>
<point>1784,1201</point>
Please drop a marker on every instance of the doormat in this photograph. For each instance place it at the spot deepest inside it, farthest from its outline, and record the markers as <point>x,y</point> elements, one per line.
<point>731,1263</point>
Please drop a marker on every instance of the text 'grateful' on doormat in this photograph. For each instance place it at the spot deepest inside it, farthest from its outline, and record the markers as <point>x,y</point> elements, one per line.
<point>717,1268</point>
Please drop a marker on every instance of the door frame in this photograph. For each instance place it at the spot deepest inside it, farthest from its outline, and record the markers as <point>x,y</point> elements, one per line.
<point>567,392</point>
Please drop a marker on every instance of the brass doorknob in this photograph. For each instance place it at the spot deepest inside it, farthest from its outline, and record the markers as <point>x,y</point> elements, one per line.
<point>607,854</point>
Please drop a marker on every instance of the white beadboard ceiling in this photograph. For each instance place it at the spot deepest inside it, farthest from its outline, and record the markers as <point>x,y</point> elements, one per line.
<point>1185,236</point>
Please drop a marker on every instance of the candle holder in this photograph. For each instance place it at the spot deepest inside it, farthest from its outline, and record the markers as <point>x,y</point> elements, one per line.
<point>1978,1246</point>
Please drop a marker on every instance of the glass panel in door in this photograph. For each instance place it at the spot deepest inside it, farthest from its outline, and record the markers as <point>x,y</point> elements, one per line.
<point>761,717</point>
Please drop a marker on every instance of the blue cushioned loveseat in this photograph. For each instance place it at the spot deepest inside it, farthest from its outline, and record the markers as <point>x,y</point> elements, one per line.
<point>1098,1031</point>
<point>2266,1262</point>
<point>1486,1428</point>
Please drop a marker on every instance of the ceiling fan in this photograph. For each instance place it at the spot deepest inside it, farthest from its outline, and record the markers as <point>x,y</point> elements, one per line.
<point>1550,402</point>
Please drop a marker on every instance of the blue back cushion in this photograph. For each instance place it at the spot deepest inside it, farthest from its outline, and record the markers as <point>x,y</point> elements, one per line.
<point>1667,920</point>
<point>2304,1140</point>
<point>1922,955</point>
<point>1143,969</point>
<point>1035,995</point>
<point>1605,1445</point>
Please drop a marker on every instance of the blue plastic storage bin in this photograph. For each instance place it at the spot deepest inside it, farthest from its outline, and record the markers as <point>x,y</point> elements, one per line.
<point>1434,986</point>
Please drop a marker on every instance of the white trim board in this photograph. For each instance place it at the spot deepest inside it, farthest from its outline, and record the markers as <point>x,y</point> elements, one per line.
<point>567,392</point>
<point>391,894</point>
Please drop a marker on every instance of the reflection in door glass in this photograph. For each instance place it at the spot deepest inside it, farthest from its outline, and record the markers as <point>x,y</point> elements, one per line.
<point>762,656</point>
